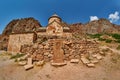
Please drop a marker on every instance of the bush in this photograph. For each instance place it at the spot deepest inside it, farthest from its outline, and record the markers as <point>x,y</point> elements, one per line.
<point>101,39</point>
<point>108,41</point>
<point>116,36</point>
<point>95,35</point>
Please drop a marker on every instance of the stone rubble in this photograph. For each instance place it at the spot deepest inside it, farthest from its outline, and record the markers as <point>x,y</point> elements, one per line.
<point>74,51</point>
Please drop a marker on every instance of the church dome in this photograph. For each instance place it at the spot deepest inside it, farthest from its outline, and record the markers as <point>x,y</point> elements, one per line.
<point>54,17</point>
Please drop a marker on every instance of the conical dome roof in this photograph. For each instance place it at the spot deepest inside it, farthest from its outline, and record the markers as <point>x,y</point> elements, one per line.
<point>55,15</point>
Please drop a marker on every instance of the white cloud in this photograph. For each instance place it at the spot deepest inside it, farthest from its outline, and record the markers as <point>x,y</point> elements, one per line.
<point>92,18</point>
<point>114,16</point>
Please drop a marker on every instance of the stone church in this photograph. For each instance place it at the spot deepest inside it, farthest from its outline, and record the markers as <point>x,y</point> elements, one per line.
<point>53,43</point>
<point>55,27</point>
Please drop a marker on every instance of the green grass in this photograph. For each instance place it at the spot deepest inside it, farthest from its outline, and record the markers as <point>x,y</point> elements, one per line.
<point>95,35</point>
<point>16,56</point>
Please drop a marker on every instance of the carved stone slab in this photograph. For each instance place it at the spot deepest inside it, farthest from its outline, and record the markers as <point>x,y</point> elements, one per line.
<point>58,52</point>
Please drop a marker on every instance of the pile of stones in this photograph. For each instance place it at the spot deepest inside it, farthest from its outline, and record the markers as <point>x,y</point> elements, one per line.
<point>88,52</point>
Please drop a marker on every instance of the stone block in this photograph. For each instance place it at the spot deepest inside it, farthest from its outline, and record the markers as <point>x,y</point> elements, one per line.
<point>91,65</point>
<point>50,55</point>
<point>39,57</point>
<point>99,57</point>
<point>94,61</point>
<point>46,53</point>
<point>29,61</point>
<point>22,63</point>
<point>74,60</point>
<point>27,67</point>
<point>59,64</point>
<point>41,46</point>
<point>40,63</point>
<point>85,60</point>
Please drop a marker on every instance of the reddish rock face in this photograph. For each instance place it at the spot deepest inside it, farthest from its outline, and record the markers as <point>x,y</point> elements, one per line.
<point>58,56</point>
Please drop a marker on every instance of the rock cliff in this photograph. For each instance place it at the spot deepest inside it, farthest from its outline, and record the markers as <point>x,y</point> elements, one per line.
<point>21,25</point>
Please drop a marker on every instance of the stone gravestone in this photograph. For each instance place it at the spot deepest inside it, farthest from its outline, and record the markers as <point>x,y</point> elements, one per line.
<point>58,53</point>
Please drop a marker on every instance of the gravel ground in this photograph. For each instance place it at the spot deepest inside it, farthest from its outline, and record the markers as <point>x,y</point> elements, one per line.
<point>9,70</point>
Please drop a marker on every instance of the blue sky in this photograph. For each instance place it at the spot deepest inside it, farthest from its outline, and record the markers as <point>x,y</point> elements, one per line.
<point>71,11</point>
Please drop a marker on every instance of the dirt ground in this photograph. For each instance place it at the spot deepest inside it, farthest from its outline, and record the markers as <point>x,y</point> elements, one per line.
<point>104,70</point>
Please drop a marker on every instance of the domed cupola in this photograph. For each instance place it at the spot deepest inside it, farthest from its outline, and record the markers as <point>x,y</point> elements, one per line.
<point>54,17</point>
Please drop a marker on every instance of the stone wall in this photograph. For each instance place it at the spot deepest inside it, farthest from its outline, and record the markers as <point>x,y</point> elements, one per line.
<point>72,49</point>
<point>16,40</point>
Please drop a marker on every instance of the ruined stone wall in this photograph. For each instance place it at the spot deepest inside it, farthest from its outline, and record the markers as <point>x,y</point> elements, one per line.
<point>72,49</point>
<point>16,40</point>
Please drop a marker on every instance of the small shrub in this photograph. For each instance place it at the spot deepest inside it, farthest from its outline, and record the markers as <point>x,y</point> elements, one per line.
<point>108,41</point>
<point>116,36</point>
<point>101,39</point>
<point>95,35</point>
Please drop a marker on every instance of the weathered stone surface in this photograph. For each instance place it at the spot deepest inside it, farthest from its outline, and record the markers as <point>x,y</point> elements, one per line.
<point>50,55</point>
<point>39,57</point>
<point>46,53</point>
<point>64,52</point>
<point>17,40</point>
<point>74,60</point>
<point>58,64</point>
<point>29,64</point>
<point>27,67</point>
<point>85,60</point>
<point>99,57</point>
<point>58,56</point>
<point>22,63</point>
<point>40,63</point>
<point>91,65</point>
<point>94,61</point>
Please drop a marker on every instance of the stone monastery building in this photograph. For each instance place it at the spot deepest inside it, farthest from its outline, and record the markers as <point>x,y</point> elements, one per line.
<point>55,27</point>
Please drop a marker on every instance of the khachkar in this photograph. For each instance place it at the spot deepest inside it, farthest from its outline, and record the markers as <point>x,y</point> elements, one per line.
<point>58,53</point>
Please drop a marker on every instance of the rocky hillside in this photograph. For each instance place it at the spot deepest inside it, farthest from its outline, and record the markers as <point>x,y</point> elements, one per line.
<point>21,25</point>
<point>97,26</point>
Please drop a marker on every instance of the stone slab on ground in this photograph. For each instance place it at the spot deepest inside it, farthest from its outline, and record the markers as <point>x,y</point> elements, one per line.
<point>74,60</point>
<point>91,65</point>
<point>85,60</point>
<point>22,63</point>
<point>58,64</point>
<point>99,57</point>
<point>27,67</point>
<point>94,61</point>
